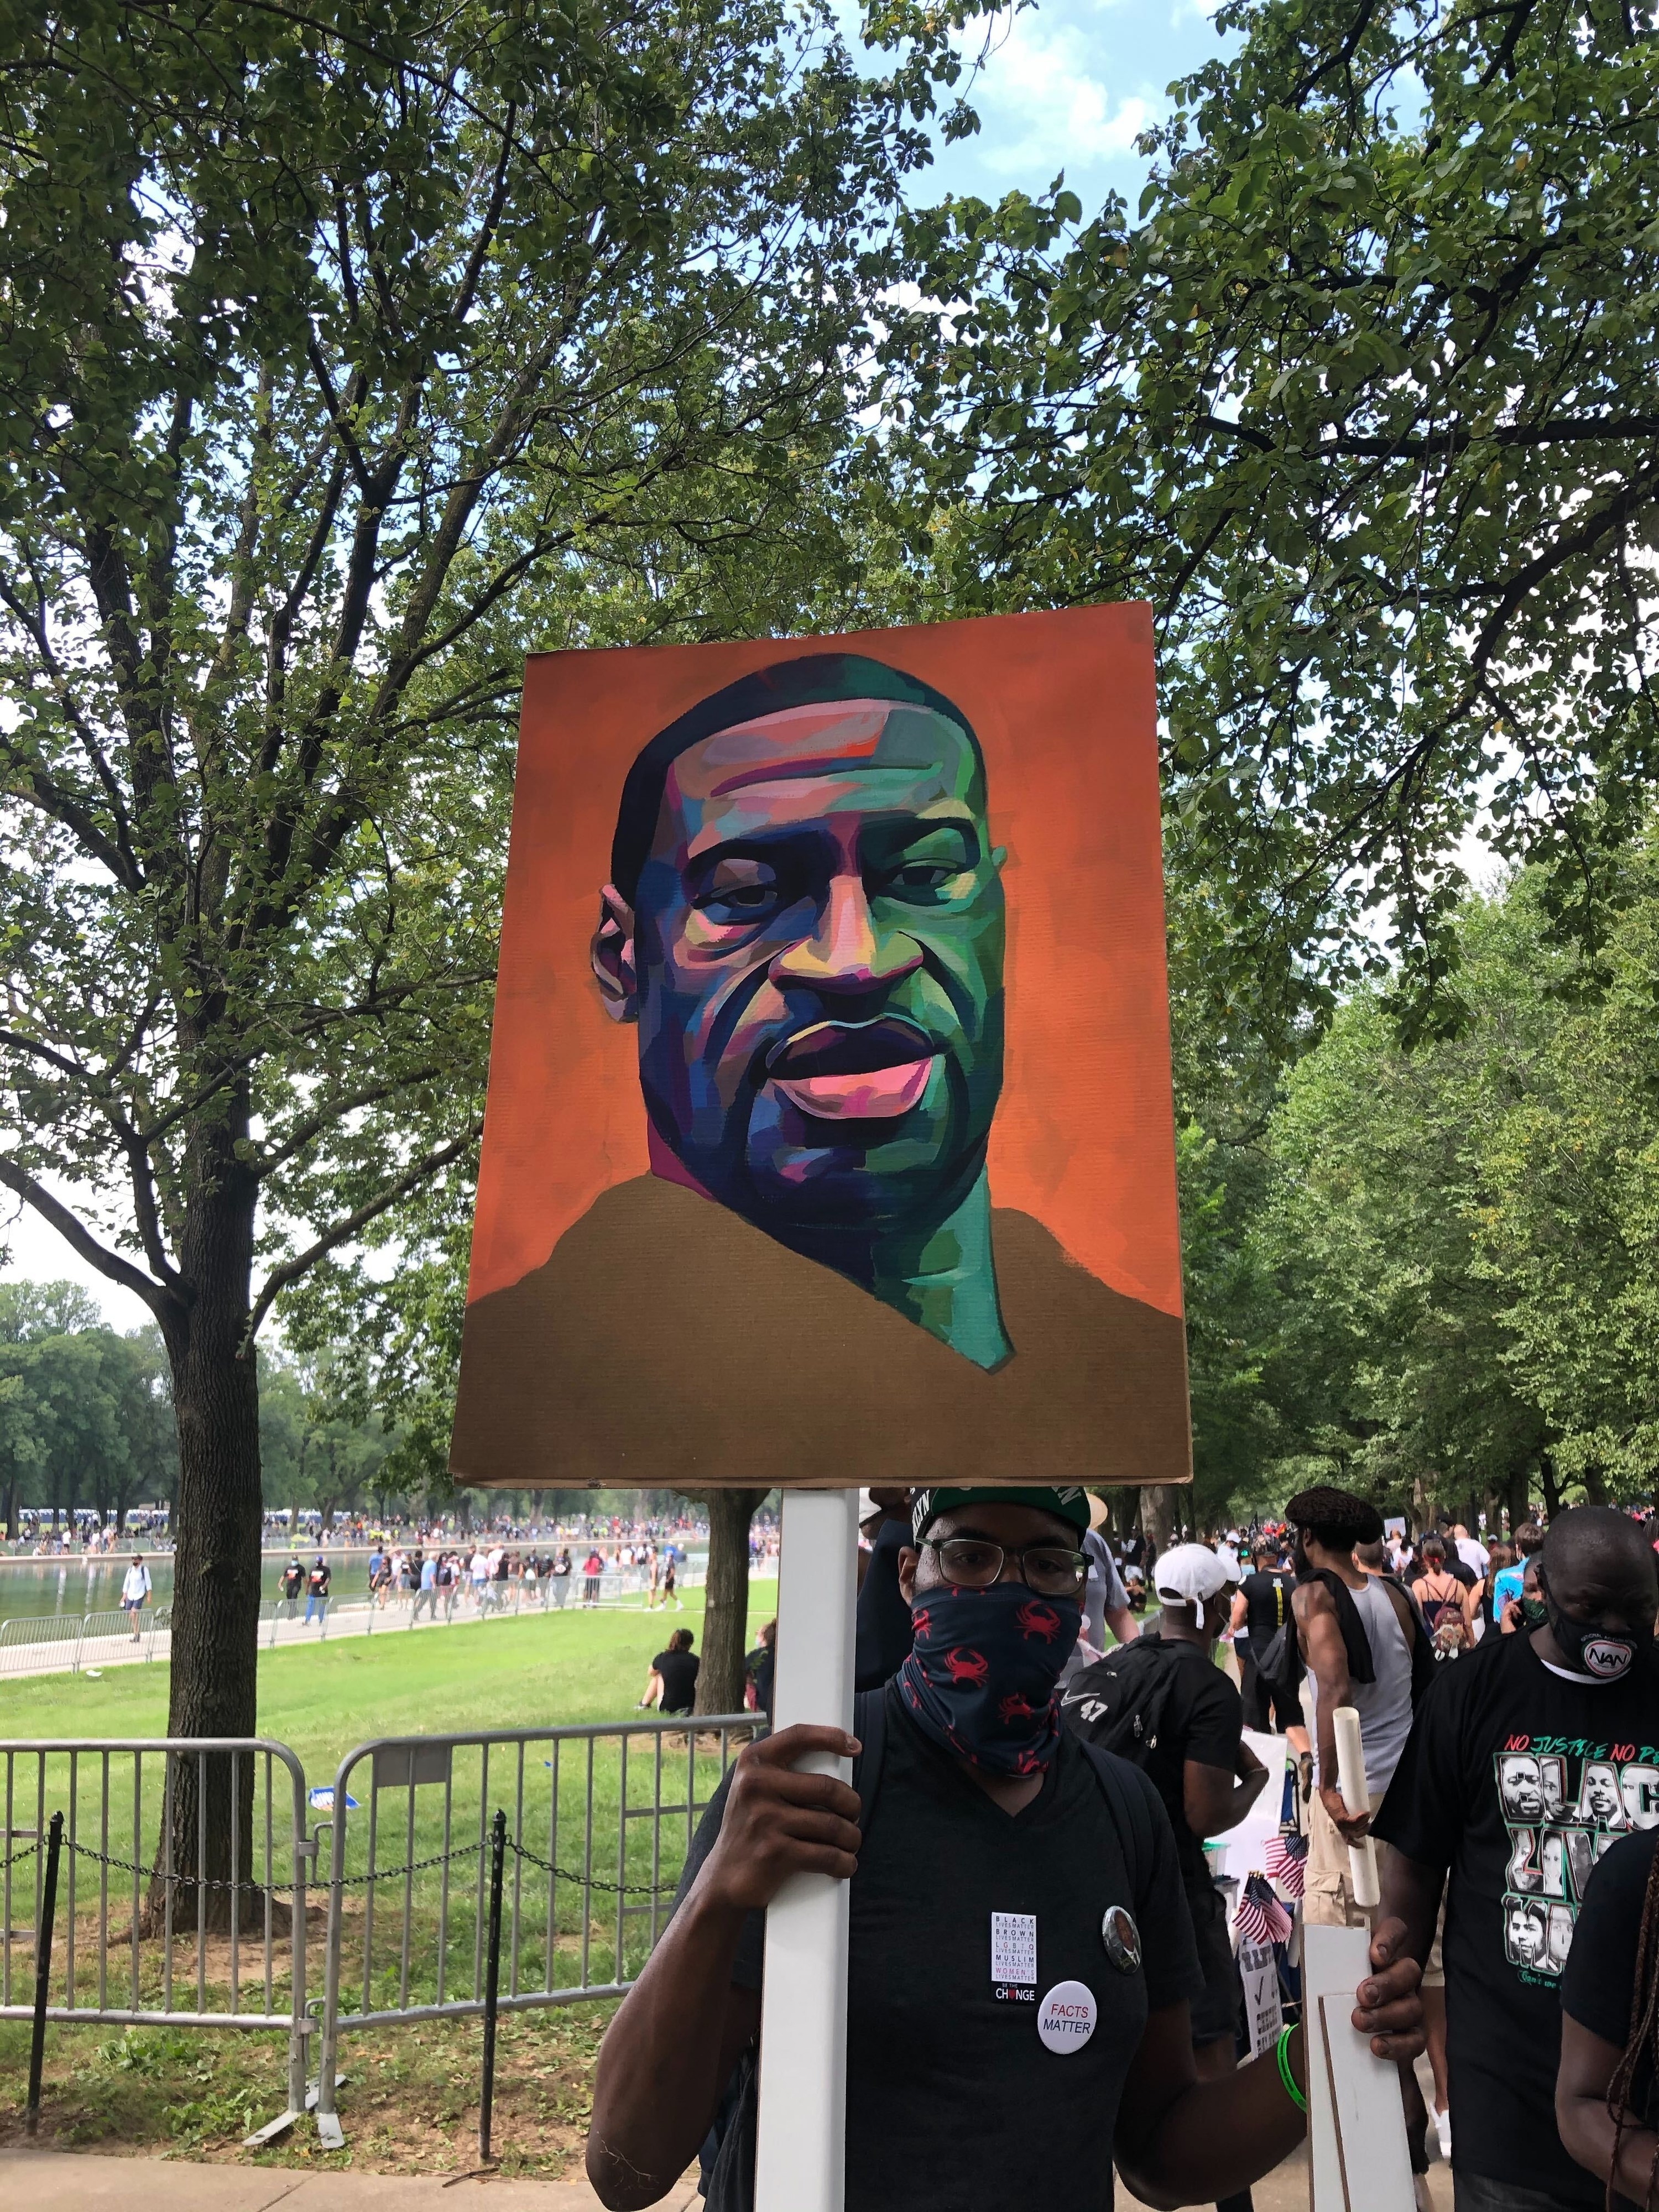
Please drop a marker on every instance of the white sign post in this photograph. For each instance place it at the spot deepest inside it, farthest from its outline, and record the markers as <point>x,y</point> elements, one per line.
<point>1358,2160</point>
<point>800,2149</point>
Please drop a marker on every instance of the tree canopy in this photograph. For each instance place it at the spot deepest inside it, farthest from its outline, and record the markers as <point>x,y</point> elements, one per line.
<point>1361,397</point>
<point>1430,1274</point>
<point>344,353</point>
<point>86,1416</point>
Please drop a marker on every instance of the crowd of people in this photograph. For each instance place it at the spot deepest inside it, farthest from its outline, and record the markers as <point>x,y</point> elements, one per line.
<point>1042,1748</point>
<point>487,1577</point>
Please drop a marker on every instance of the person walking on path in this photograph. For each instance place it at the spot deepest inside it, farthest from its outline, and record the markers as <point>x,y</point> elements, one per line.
<point>1161,1701</point>
<point>316,1591</point>
<point>592,1570</point>
<point>1527,1760</point>
<point>670,1594</point>
<point>135,1592</point>
<point>562,1567</point>
<point>1261,1609</point>
<point>427,1595</point>
<point>1447,1603</point>
<point>292,1584</point>
<point>1362,1645</point>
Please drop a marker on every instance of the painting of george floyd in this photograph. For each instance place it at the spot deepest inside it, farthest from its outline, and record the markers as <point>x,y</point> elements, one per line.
<point>829,1138</point>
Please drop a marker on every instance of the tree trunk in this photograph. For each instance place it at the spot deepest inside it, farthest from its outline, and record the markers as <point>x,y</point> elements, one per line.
<point>726,1598</point>
<point>1519,1498</point>
<point>216,1565</point>
<point>1157,1515</point>
<point>1552,1487</point>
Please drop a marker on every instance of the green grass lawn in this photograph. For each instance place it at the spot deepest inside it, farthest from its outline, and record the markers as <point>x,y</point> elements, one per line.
<point>545,1670</point>
<point>412,2086</point>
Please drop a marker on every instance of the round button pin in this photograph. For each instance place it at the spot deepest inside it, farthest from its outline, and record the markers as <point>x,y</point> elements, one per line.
<point>1066,2016</point>
<point>1121,1937</point>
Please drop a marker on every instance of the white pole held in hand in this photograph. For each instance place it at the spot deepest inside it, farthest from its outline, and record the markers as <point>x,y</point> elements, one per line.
<point>800,2147</point>
<point>1357,1797</point>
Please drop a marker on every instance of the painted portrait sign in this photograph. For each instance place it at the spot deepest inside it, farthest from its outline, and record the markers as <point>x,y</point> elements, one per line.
<point>828,1138</point>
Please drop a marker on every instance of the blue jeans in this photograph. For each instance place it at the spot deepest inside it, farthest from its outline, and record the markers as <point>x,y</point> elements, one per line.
<point>317,1605</point>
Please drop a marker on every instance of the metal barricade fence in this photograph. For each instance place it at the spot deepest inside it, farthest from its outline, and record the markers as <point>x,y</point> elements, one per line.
<point>142,1818</point>
<point>595,1845</point>
<point>111,1636</point>
<point>51,1643</point>
<point>599,1818</point>
<point>40,1644</point>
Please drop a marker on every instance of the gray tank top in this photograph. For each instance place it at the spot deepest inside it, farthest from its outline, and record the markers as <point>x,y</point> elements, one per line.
<point>1384,1706</point>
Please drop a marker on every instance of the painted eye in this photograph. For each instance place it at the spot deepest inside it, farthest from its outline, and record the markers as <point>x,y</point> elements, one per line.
<point>739,891</point>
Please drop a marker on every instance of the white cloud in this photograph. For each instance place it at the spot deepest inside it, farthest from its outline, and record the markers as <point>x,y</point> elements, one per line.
<point>1043,106</point>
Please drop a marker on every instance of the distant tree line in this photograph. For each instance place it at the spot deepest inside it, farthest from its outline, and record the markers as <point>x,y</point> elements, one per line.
<point>1433,1274</point>
<point>86,1419</point>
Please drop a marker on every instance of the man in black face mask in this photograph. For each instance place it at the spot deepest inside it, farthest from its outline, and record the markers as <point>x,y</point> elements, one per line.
<point>1525,1761</point>
<point>1021,1956</point>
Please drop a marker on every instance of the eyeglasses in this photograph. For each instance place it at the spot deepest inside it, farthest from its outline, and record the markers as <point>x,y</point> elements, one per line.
<point>1049,1570</point>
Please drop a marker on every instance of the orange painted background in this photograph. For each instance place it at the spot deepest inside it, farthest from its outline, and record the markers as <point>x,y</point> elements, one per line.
<point>1064,709</point>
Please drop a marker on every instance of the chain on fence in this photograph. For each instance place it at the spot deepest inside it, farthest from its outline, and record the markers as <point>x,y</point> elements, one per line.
<point>191,1873</point>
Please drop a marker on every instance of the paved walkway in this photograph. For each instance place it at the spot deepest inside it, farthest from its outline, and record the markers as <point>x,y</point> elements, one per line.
<point>66,2181</point>
<point>346,1617</point>
<point>60,2181</point>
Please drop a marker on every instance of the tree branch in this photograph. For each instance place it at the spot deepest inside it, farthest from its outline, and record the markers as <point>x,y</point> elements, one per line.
<point>164,1304</point>
<point>343,1231</point>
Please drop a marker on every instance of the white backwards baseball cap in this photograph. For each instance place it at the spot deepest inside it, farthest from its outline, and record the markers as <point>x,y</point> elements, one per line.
<point>1191,1574</point>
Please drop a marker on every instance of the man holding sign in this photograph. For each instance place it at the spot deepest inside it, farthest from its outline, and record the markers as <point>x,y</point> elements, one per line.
<point>1022,1958</point>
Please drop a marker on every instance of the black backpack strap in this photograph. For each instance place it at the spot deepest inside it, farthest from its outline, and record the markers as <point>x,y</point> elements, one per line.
<point>1122,1786</point>
<point>870,1727</point>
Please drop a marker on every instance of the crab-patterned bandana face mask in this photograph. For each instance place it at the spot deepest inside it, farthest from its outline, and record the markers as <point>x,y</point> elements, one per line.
<point>981,1676</point>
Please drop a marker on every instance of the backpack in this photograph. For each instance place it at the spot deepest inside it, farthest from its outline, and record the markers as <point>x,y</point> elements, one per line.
<point>728,2152</point>
<point>1118,1704</point>
<point>1443,1618</point>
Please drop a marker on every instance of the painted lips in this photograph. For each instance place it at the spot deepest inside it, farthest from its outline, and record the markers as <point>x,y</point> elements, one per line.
<point>853,1071</point>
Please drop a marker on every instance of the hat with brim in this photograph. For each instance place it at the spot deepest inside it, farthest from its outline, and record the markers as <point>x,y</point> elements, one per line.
<point>1191,1575</point>
<point>1072,1505</point>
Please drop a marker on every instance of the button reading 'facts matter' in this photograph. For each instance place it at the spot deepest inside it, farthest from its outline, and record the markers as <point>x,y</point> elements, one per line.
<point>1066,2018</point>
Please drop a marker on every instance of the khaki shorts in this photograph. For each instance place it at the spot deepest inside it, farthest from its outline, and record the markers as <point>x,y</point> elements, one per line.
<point>1327,1899</point>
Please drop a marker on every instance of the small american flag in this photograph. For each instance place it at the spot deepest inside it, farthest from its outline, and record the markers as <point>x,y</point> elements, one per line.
<point>1285,1859</point>
<point>1260,1918</point>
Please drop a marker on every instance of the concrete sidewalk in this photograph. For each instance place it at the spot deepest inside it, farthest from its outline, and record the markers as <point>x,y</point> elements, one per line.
<point>64,2181</point>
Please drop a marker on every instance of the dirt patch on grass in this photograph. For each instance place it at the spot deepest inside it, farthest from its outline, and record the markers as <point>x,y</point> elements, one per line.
<point>409,2104</point>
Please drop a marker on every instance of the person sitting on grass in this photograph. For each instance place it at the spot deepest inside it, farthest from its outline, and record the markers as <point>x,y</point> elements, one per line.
<point>672,1685</point>
<point>1021,1958</point>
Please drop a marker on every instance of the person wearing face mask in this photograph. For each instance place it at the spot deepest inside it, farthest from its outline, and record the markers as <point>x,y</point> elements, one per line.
<point>1021,1956</point>
<point>1525,1762</point>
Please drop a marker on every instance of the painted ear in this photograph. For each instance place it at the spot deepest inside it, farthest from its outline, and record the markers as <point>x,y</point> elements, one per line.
<point>612,955</point>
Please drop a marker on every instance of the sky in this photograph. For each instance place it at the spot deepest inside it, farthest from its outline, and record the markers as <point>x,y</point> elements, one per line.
<point>1067,85</point>
<point>1070,85</point>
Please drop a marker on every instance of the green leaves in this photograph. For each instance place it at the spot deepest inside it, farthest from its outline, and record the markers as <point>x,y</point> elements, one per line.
<point>1364,402</point>
<point>346,356</point>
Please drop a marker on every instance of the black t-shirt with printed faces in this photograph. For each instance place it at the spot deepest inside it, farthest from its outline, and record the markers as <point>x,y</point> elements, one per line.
<point>965,1921</point>
<point>1518,1780</point>
<point>1601,1976</point>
